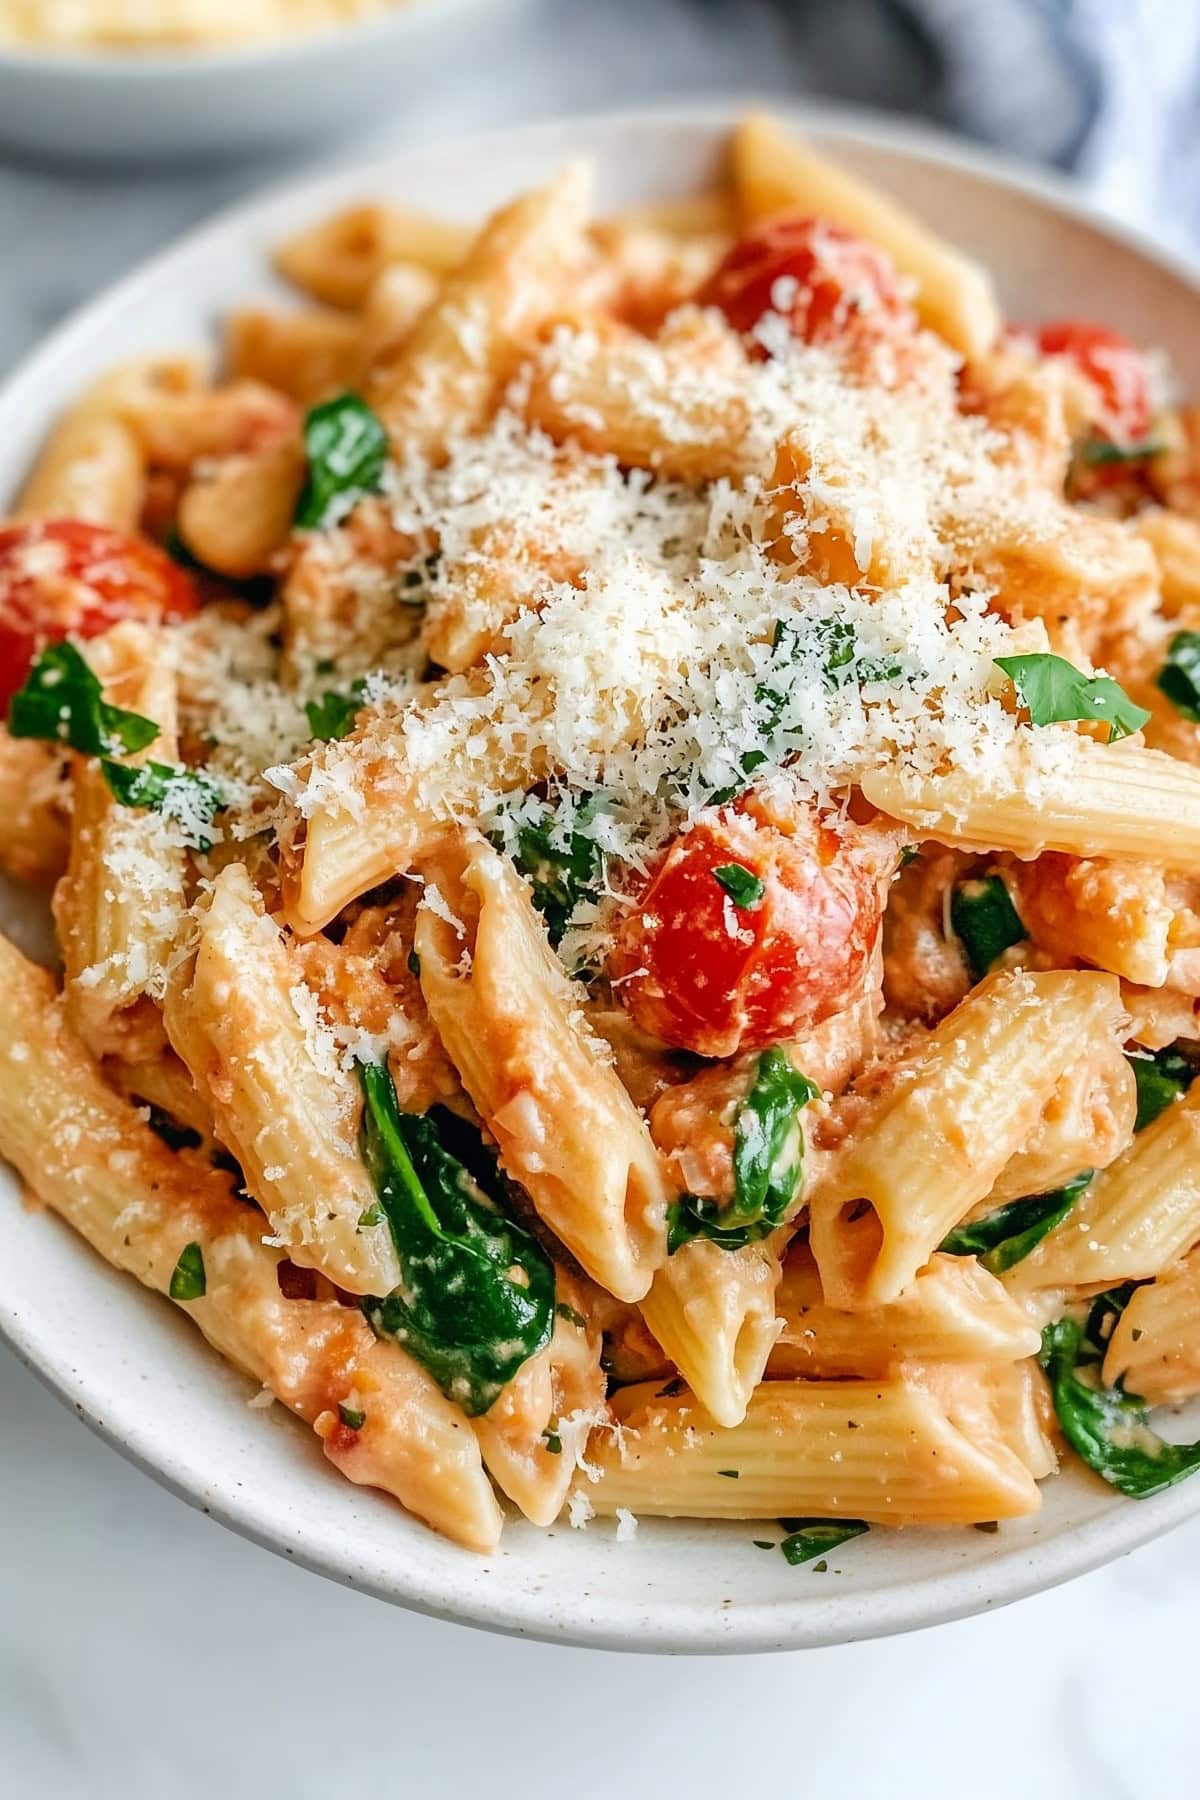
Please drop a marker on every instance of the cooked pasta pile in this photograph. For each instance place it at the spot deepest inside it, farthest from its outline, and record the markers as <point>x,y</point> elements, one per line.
<point>623,812</point>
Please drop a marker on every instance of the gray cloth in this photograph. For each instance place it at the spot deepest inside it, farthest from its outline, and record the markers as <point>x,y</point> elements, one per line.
<point>1107,88</point>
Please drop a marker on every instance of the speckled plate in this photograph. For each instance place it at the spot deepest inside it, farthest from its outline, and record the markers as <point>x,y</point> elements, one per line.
<point>134,1370</point>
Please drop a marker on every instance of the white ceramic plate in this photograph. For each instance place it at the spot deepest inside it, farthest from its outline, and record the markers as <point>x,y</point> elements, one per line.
<point>122,107</point>
<point>138,1373</point>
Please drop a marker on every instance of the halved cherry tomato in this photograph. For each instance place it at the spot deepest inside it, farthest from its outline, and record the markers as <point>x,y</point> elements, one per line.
<point>712,976</point>
<point>64,576</point>
<point>1116,369</point>
<point>829,284</point>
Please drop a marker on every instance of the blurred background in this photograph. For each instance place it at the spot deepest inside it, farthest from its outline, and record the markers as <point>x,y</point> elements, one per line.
<point>146,1653</point>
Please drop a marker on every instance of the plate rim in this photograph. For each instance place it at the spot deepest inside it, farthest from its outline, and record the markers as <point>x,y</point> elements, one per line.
<point>692,1627</point>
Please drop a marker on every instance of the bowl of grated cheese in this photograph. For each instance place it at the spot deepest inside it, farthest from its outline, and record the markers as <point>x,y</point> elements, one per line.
<point>134,1370</point>
<point>123,80</point>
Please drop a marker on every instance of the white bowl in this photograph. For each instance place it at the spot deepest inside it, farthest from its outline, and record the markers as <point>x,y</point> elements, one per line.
<point>127,107</point>
<point>139,1374</point>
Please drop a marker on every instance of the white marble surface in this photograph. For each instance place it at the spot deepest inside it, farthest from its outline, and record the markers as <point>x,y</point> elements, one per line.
<point>145,1652</point>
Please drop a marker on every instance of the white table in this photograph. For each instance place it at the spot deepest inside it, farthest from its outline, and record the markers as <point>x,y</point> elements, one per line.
<point>146,1652</point>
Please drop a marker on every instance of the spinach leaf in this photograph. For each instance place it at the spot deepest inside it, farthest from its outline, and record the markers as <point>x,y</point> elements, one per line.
<point>63,701</point>
<point>1179,677</point>
<point>1005,1237</point>
<point>1100,452</point>
<point>561,873</point>
<point>809,1538</point>
<point>744,887</point>
<point>768,1161</point>
<point>985,921</point>
<point>477,1296</point>
<point>347,448</point>
<point>183,794</point>
<point>188,1280</point>
<point>1101,1321</point>
<point>1052,689</point>
<point>333,715</point>
<point>1108,1429</point>
<point>1161,1077</point>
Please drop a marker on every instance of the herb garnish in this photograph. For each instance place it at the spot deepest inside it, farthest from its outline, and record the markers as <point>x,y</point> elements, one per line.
<point>1161,1077</point>
<point>347,448</point>
<point>1109,1429</point>
<point>809,1538</point>
<point>985,921</point>
<point>1005,1237</point>
<point>563,869</point>
<point>1100,452</point>
<point>477,1298</point>
<point>333,715</point>
<point>1053,690</point>
<point>1179,677</point>
<point>768,1160</point>
<point>188,1281</point>
<point>351,1418</point>
<point>570,1315</point>
<point>744,887</point>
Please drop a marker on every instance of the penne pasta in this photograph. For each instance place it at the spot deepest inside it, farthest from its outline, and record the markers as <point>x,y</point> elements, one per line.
<point>85,1152</point>
<point>1153,1350</point>
<point>239,1015</point>
<point>906,1449</point>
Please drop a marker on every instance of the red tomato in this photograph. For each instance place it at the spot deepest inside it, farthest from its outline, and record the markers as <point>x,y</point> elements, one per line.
<point>829,284</point>
<point>62,576</point>
<point>1115,367</point>
<point>714,977</point>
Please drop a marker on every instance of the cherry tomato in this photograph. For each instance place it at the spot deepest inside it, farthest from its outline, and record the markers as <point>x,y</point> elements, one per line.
<point>61,576</point>
<point>713,976</point>
<point>1116,369</point>
<point>827,283</point>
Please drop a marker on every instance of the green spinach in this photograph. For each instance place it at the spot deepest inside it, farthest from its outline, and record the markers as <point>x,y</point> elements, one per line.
<point>985,921</point>
<point>768,1161</point>
<point>1005,1237</point>
<point>1108,1429</point>
<point>477,1296</point>
<point>810,1538</point>
<point>333,715</point>
<point>63,701</point>
<point>744,888</point>
<point>347,448</point>
<point>1179,677</point>
<point>1161,1077</point>
<point>188,1280</point>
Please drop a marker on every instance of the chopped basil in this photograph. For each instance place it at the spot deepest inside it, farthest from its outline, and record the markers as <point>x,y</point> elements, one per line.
<point>333,715</point>
<point>477,1296</point>
<point>1005,1237</point>
<point>414,965</point>
<point>730,1474</point>
<point>1179,677</point>
<point>744,888</point>
<point>63,701</point>
<point>351,1419</point>
<point>370,1216</point>
<point>809,1538</point>
<point>1052,690</point>
<point>187,1277</point>
<point>763,1543</point>
<point>346,448</point>
<point>1099,452</point>
<point>768,1160</point>
<point>985,921</point>
<point>1108,1429</point>
<point>1161,1077</point>
<point>553,1439</point>
<point>571,1316</point>
<point>563,869</point>
<point>909,853</point>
